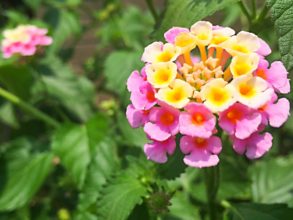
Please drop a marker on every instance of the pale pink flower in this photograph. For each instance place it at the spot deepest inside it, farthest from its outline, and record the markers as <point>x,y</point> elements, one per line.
<point>255,146</point>
<point>135,117</point>
<point>264,49</point>
<point>239,120</point>
<point>157,151</point>
<point>172,33</point>
<point>201,152</point>
<point>164,123</point>
<point>275,112</point>
<point>197,121</point>
<point>276,75</point>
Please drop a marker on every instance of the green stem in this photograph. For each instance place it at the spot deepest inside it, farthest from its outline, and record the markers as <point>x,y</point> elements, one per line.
<point>263,13</point>
<point>245,11</point>
<point>212,179</point>
<point>27,107</point>
<point>150,5</point>
<point>253,5</point>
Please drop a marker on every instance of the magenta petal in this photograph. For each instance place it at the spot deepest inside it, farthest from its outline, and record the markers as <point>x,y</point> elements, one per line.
<point>135,117</point>
<point>134,81</point>
<point>155,132</point>
<point>171,34</point>
<point>226,125</point>
<point>248,125</point>
<point>278,113</point>
<point>188,128</point>
<point>239,145</point>
<point>186,144</point>
<point>259,145</point>
<point>214,145</point>
<point>157,151</point>
<point>201,159</point>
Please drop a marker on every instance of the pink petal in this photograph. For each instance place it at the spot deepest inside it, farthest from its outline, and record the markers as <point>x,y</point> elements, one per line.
<point>277,76</point>
<point>278,113</point>
<point>239,145</point>
<point>259,145</point>
<point>157,151</point>
<point>226,124</point>
<point>172,33</point>
<point>136,118</point>
<point>186,144</point>
<point>264,49</point>
<point>155,132</point>
<point>134,81</point>
<point>201,159</point>
<point>248,125</point>
<point>186,127</point>
<point>214,145</point>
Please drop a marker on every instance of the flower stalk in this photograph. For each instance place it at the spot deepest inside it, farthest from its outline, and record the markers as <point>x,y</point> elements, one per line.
<point>212,180</point>
<point>29,108</point>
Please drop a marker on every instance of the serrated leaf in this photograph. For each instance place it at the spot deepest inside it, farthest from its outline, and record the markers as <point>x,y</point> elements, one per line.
<point>118,67</point>
<point>24,178</point>
<point>282,15</point>
<point>72,144</point>
<point>184,13</point>
<point>250,211</point>
<point>122,194</point>
<point>272,180</point>
<point>103,164</point>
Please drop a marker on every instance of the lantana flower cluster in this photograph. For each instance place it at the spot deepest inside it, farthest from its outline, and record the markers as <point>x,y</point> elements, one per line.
<point>24,40</point>
<point>204,80</point>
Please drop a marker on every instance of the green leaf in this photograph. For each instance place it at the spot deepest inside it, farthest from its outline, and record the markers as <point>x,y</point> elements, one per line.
<point>234,179</point>
<point>73,144</point>
<point>74,92</point>
<point>282,15</point>
<point>251,211</point>
<point>134,137</point>
<point>272,180</point>
<point>122,194</point>
<point>17,79</point>
<point>24,178</point>
<point>65,25</point>
<point>182,209</point>
<point>103,164</point>
<point>118,67</point>
<point>184,13</point>
<point>7,115</point>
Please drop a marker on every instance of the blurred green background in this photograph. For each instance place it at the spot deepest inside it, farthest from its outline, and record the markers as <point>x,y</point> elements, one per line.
<point>92,166</point>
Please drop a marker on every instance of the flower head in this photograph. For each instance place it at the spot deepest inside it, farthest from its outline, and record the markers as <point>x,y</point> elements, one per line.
<point>201,76</point>
<point>24,40</point>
